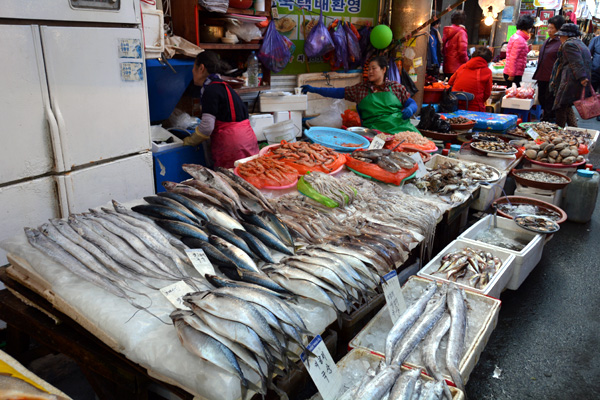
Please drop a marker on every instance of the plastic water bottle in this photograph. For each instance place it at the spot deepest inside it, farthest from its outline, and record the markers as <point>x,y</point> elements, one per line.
<point>252,70</point>
<point>581,196</point>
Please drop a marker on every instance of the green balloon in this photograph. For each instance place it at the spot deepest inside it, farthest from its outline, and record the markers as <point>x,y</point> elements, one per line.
<point>381,36</point>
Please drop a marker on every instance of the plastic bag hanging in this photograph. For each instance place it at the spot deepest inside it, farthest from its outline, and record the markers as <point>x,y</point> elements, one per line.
<point>318,41</point>
<point>274,52</point>
<point>393,71</point>
<point>354,53</point>
<point>340,58</point>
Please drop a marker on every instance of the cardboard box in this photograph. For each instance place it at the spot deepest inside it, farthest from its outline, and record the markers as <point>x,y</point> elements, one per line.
<point>295,116</point>
<point>282,101</point>
<point>259,122</point>
<point>519,104</point>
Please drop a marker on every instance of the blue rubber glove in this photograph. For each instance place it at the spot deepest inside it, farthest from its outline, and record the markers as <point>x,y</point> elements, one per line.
<point>409,109</point>
<point>336,93</point>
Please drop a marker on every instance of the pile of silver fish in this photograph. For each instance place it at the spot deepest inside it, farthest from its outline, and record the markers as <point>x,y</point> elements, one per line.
<point>435,314</point>
<point>386,159</point>
<point>331,187</point>
<point>541,176</point>
<point>242,330</point>
<point>469,267</point>
<point>390,382</point>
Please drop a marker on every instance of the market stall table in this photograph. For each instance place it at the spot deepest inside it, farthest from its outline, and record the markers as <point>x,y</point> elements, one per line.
<point>111,374</point>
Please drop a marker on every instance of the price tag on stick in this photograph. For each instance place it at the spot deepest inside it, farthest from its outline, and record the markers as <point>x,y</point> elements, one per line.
<point>322,369</point>
<point>393,295</point>
<point>377,143</point>
<point>200,261</point>
<point>534,135</point>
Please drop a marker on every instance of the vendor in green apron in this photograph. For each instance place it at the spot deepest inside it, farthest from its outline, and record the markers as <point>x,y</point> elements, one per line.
<point>382,104</point>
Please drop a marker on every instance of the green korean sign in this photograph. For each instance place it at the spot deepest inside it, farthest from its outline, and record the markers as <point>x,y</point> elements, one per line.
<point>291,20</point>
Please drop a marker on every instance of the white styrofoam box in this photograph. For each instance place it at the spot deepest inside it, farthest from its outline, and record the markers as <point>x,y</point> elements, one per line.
<point>317,103</point>
<point>488,193</point>
<point>594,133</point>
<point>154,35</point>
<point>28,203</point>
<point>282,101</point>
<point>158,133</point>
<point>549,196</point>
<point>295,116</point>
<point>478,333</point>
<point>495,286</point>
<point>124,179</point>
<point>525,260</point>
<point>259,122</point>
<point>353,355</point>
<point>519,104</point>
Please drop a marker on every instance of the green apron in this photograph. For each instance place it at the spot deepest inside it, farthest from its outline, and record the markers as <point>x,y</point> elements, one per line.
<point>383,111</point>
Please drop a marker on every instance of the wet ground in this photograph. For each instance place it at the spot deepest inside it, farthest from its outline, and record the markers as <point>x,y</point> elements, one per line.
<point>545,345</point>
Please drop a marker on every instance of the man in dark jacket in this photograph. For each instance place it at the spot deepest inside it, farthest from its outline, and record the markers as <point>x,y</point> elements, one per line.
<point>595,51</point>
<point>570,75</point>
<point>547,58</point>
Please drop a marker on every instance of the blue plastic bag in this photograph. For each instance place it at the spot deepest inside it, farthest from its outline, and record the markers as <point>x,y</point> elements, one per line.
<point>393,71</point>
<point>318,41</point>
<point>275,52</point>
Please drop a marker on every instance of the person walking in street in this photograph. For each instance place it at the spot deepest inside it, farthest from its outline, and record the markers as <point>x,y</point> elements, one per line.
<point>434,49</point>
<point>570,75</point>
<point>547,58</point>
<point>516,54</point>
<point>474,77</point>
<point>455,43</point>
<point>595,52</point>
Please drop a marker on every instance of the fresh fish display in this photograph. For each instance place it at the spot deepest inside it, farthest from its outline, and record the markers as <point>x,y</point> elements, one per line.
<point>15,388</point>
<point>537,224</point>
<point>386,159</point>
<point>244,188</point>
<point>331,187</point>
<point>469,267</point>
<point>514,210</point>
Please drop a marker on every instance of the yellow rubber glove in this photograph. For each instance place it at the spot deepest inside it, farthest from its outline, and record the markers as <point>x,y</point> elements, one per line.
<point>195,139</point>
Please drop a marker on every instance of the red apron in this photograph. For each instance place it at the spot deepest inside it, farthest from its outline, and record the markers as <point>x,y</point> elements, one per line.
<point>231,141</point>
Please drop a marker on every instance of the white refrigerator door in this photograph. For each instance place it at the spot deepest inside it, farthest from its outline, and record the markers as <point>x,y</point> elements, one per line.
<point>28,203</point>
<point>124,180</point>
<point>96,78</point>
<point>24,106</point>
<point>114,11</point>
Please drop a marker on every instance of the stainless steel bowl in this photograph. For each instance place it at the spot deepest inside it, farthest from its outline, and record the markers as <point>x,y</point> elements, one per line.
<point>363,131</point>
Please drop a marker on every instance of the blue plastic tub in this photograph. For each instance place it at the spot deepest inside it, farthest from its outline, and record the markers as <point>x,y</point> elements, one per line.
<point>334,138</point>
<point>166,87</point>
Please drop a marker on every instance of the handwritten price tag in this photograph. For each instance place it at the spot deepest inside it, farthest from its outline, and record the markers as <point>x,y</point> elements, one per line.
<point>393,295</point>
<point>322,369</point>
<point>534,135</point>
<point>175,292</point>
<point>200,261</point>
<point>377,143</point>
<point>422,171</point>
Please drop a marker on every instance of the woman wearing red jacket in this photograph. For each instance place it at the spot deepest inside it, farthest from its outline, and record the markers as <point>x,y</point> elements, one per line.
<point>455,44</point>
<point>474,77</point>
<point>516,54</point>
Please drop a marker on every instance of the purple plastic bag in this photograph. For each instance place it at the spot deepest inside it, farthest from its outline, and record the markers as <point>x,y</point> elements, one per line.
<point>340,42</point>
<point>394,72</point>
<point>354,53</point>
<point>364,42</point>
<point>274,52</point>
<point>318,41</point>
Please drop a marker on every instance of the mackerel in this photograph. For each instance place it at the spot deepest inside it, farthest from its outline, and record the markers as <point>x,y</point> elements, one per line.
<point>214,255</point>
<point>279,226</point>
<point>267,238</point>
<point>224,282</point>
<point>182,229</point>
<point>225,201</point>
<point>234,253</point>
<point>255,245</point>
<point>220,218</point>
<point>304,288</point>
<point>456,336</point>
<point>190,191</point>
<point>407,320</point>
<point>156,211</point>
<point>263,280</point>
<point>167,202</point>
<point>187,202</point>
<point>231,237</point>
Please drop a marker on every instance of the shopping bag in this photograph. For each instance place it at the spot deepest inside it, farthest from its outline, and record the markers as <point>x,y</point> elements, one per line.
<point>588,107</point>
<point>274,52</point>
<point>318,40</point>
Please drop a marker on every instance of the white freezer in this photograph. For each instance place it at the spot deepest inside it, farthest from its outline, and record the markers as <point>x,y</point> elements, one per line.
<point>29,203</point>
<point>109,11</point>
<point>96,79</point>
<point>24,106</point>
<point>124,180</point>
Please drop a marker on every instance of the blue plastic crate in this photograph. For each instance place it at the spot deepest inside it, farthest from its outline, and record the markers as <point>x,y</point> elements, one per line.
<point>167,164</point>
<point>487,121</point>
<point>166,87</point>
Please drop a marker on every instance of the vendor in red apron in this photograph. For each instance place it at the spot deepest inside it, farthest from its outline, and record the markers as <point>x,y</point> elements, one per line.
<point>224,115</point>
<point>382,104</point>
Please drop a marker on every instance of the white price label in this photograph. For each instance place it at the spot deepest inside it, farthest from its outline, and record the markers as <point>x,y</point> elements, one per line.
<point>200,261</point>
<point>422,171</point>
<point>175,292</point>
<point>322,369</point>
<point>534,135</point>
<point>393,295</point>
<point>377,143</point>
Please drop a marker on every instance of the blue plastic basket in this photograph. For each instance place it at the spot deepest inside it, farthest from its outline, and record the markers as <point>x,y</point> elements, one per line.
<point>334,138</point>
